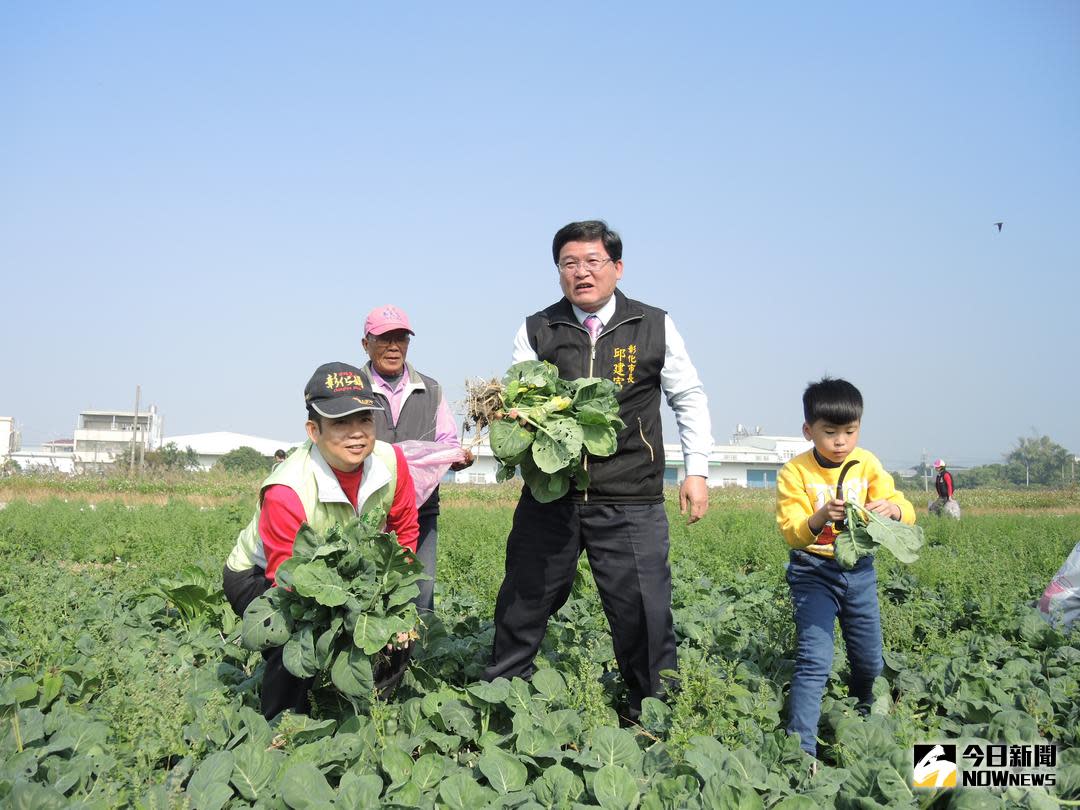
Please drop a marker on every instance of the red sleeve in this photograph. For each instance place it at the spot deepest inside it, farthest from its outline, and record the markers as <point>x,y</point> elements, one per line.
<point>948,482</point>
<point>402,518</point>
<point>279,521</point>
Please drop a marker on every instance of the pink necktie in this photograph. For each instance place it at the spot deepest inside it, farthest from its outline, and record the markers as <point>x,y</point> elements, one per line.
<point>592,323</point>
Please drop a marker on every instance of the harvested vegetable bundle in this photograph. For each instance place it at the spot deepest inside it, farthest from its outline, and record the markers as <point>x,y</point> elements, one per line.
<point>341,599</point>
<point>867,531</point>
<point>545,425</point>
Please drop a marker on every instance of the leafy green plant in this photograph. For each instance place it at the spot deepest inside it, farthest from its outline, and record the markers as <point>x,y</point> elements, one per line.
<point>867,531</point>
<point>546,425</point>
<point>113,697</point>
<point>195,597</point>
<point>341,599</point>
<point>244,459</point>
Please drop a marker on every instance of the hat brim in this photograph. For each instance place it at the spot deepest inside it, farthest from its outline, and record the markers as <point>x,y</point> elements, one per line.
<point>343,406</point>
<point>382,329</point>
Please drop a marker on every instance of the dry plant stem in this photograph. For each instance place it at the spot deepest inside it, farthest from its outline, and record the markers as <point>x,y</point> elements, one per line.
<point>483,405</point>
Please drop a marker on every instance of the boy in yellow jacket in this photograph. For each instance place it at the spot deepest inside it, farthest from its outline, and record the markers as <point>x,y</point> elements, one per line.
<point>810,494</point>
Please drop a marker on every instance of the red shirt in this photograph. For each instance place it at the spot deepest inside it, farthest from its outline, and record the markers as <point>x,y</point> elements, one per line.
<point>282,513</point>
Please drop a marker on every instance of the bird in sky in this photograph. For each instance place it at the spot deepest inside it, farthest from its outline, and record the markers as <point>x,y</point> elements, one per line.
<point>999,224</point>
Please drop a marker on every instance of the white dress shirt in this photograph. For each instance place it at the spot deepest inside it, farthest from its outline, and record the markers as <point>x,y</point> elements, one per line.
<point>678,380</point>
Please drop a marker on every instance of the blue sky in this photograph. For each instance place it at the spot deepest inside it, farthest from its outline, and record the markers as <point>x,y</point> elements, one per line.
<point>206,199</point>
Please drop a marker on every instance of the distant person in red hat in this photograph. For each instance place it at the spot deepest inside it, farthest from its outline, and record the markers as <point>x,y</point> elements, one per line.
<point>412,408</point>
<point>943,483</point>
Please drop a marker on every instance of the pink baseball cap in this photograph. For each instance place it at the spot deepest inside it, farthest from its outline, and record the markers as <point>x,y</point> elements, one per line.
<point>386,319</point>
<point>939,463</point>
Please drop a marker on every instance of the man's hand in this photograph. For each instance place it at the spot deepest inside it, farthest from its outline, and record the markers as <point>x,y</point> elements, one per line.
<point>464,463</point>
<point>694,495</point>
<point>884,508</point>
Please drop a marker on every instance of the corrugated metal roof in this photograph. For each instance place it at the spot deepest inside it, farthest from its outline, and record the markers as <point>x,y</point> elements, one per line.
<point>221,442</point>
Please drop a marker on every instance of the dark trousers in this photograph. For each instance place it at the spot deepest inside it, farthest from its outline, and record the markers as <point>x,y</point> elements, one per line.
<point>426,546</point>
<point>627,547</point>
<point>281,689</point>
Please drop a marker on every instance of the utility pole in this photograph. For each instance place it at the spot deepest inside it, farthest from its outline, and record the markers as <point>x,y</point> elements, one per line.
<point>134,431</point>
<point>142,444</point>
<point>925,472</point>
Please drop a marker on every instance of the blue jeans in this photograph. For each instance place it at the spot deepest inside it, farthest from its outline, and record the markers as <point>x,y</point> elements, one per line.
<point>822,592</point>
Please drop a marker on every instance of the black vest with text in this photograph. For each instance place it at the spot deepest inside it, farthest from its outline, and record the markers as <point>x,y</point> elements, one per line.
<point>415,421</point>
<point>629,351</point>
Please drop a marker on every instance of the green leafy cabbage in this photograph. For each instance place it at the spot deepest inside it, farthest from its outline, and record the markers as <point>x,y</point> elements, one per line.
<point>548,425</point>
<point>341,598</point>
<point>867,531</point>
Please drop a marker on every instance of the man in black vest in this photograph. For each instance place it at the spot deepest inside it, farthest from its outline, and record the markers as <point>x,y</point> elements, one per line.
<point>413,407</point>
<point>596,331</point>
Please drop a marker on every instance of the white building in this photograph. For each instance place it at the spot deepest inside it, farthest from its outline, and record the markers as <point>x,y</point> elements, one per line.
<point>9,437</point>
<point>54,456</point>
<point>482,470</point>
<point>212,446</point>
<point>102,436</point>
<point>741,465</point>
<point>749,461</point>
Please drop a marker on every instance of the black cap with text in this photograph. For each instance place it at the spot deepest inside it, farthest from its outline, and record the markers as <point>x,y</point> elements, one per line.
<point>338,389</point>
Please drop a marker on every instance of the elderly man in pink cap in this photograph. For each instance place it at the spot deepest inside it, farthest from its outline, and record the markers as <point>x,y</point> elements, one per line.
<point>413,408</point>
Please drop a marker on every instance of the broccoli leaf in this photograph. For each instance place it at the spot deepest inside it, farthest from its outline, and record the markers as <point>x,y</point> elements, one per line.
<point>902,539</point>
<point>544,487</point>
<point>341,598</point>
<point>318,582</point>
<point>265,624</point>
<point>557,445</point>
<point>564,420</point>
<point>508,438</point>
<point>600,440</point>
<point>867,531</point>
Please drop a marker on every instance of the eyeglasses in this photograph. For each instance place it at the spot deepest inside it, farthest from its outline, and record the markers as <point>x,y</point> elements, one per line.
<point>592,265</point>
<point>387,339</point>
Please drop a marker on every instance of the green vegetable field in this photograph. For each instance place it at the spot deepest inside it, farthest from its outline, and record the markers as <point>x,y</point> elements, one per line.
<point>124,683</point>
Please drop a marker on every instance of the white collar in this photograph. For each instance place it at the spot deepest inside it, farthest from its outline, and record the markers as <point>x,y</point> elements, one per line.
<point>375,474</point>
<point>605,313</point>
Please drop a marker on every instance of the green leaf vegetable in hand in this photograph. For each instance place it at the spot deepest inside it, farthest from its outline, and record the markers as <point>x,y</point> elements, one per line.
<point>545,426</point>
<point>342,600</point>
<point>867,531</point>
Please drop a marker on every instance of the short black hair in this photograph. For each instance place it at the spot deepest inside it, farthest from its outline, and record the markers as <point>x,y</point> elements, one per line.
<point>279,454</point>
<point>591,230</point>
<point>835,401</point>
<point>319,419</point>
